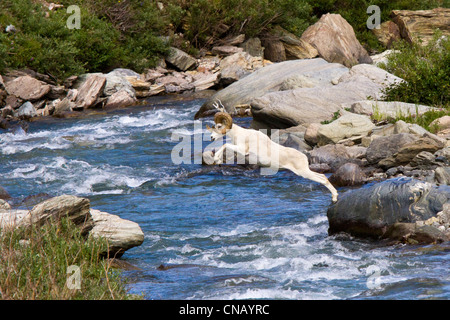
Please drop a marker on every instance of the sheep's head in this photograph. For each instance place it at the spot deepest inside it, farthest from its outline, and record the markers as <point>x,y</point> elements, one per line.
<point>223,123</point>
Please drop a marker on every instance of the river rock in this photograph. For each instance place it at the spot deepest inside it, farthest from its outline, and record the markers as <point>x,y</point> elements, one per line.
<point>424,159</point>
<point>388,33</point>
<point>274,50</point>
<point>281,109</point>
<point>60,107</point>
<point>335,40</point>
<point>10,219</point>
<point>180,59</point>
<point>293,139</point>
<point>116,81</point>
<point>226,50</point>
<point>120,234</point>
<point>309,105</point>
<point>140,87</point>
<point>253,47</point>
<point>4,195</point>
<point>373,210</point>
<point>203,81</point>
<point>120,99</point>
<point>75,208</point>
<point>442,175</point>
<point>122,72</point>
<point>7,112</point>
<point>295,47</point>
<point>311,133</point>
<point>407,152</point>
<point>26,111</point>
<point>384,147</point>
<point>90,91</point>
<point>346,126</point>
<point>382,110</point>
<point>270,78</point>
<point>27,88</point>
<point>349,174</point>
<point>442,123</point>
<point>334,155</point>
<point>419,26</point>
<point>4,205</point>
<point>382,58</point>
<point>237,66</point>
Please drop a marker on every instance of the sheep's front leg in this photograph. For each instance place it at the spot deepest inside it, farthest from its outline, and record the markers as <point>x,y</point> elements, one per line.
<point>218,157</point>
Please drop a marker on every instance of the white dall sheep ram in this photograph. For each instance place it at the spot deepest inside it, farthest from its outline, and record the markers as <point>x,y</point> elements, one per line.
<point>251,142</point>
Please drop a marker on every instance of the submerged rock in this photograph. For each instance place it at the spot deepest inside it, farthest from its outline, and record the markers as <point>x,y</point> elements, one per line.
<point>373,211</point>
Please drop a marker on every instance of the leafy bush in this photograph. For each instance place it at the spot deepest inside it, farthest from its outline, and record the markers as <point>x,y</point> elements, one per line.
<point>107,39</point>
<point>201,20</point>
<point>426,71</point>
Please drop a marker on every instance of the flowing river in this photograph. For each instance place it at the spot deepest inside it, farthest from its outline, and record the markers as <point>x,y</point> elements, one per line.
<point>225,232</point>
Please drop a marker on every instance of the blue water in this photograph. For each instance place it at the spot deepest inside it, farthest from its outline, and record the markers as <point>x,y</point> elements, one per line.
<point>227,231</point>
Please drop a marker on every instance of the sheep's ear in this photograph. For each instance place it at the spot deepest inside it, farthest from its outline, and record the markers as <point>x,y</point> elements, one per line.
<point>209,128</point>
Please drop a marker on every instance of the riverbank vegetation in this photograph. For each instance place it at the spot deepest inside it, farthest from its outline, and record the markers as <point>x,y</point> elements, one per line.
<point>36,266</point>
<point>135,34</point>
<point>426,71</point>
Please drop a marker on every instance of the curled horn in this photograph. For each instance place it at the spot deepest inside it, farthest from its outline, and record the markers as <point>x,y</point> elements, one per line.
<point>225,119</point>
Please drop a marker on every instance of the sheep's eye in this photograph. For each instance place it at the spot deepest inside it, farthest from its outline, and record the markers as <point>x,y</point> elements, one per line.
<point>219,125</point>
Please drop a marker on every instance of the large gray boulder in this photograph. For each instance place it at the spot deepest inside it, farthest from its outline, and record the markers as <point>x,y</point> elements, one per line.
<point>269,79</point>
<point>375,211</point>
<point>319,103</point>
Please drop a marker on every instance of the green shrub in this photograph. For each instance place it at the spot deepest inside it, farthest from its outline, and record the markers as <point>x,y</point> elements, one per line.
<point>426,71</point>
<point>37,268</point>
<point>201,18</point>
<point>107,39</point>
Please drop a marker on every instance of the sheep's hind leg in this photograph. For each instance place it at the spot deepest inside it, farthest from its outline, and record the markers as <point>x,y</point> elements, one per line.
<point>317,177</point>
